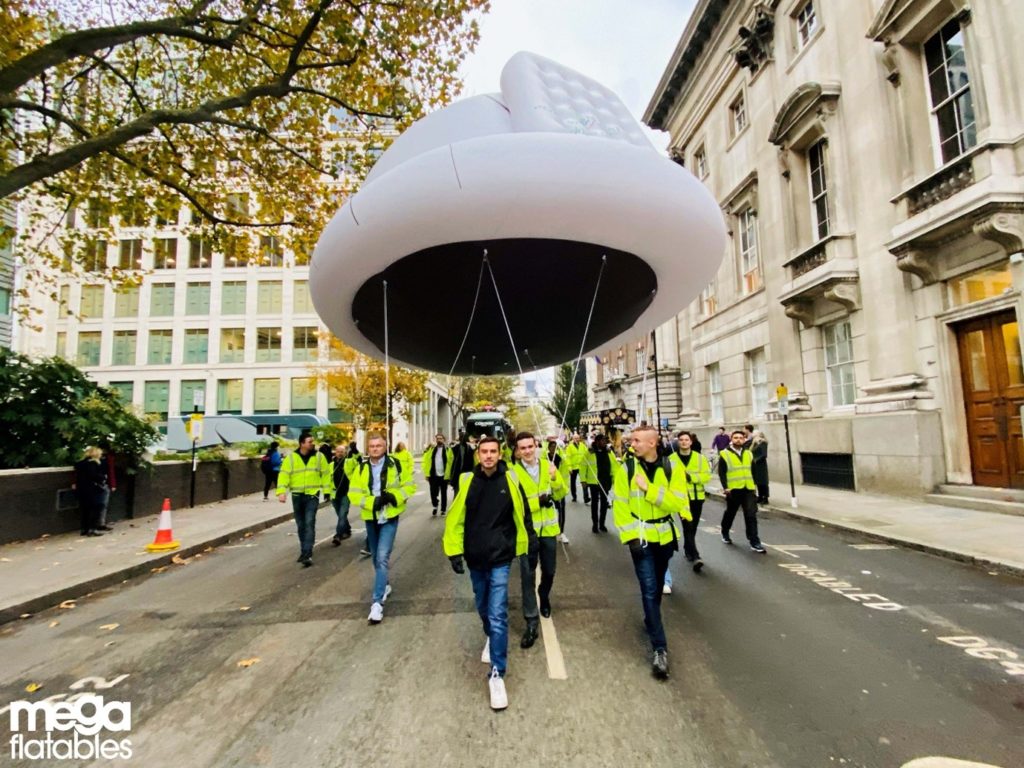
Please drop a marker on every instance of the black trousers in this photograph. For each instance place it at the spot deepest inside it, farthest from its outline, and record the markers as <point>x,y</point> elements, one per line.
<point>455,484</point>
<point>572,487</point>
<point>762,494</point>
<point>741,497</point>
<point>89,511</point>
<point>598,504</point>
<point>438,485</point>
<point>546,556</point>
<point>560,506</point>
<point>690,530</point>
<point>269,481</point>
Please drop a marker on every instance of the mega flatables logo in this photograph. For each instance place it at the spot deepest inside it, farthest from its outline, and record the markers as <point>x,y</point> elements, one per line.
<point>70,730</point>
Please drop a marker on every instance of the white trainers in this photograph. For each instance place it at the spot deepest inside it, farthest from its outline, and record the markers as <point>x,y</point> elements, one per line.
<point>485,657</point>
<point>666,589</point>
<point>376,614</point>
<point>499,698</point>
<point>387,591</point>
<point>563,538</point>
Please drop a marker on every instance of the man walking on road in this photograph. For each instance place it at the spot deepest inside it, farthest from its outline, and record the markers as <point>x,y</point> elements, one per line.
<point>697,469</point>
<point>488,526</point>
<point>437,467</point>
<point>575,454</point>
<point>340,500</point>
<point>599,472</point>
<point>380,488</point>
<point>647,493</point>
<point>557,457</point>
<point>307,474</point>
<point>542,486</point>
<point>734,470</point>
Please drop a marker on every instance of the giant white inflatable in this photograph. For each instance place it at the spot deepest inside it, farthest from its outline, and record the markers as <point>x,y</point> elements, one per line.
<point>555,181</point>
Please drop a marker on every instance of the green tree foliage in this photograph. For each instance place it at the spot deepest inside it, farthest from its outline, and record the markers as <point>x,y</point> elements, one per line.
<point>475,392</point>
<point>50,411</point>
<point>566,393</point>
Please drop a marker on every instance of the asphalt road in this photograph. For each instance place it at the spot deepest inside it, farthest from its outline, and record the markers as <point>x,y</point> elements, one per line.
<point>829,651</point>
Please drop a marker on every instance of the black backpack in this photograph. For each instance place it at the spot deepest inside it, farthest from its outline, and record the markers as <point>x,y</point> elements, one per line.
<point>666,465</point>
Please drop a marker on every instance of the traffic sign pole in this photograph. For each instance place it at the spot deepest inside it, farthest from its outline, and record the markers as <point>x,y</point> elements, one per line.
<point>782,393</point>
<point>198,399</point>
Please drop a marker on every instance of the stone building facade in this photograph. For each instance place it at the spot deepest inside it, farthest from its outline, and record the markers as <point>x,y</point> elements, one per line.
<point>868,160</point>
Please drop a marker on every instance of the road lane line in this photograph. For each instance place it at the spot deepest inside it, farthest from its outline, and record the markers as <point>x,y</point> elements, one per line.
<point>552,650</point>
<point>789,549</point>
<point>871,547</point>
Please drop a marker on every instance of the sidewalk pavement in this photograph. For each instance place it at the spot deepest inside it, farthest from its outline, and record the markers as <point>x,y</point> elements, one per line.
<point>968,535</point>
<point>44,572</point>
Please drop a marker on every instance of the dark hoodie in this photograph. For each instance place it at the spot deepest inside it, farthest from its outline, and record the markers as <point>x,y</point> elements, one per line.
<point>490,529</point>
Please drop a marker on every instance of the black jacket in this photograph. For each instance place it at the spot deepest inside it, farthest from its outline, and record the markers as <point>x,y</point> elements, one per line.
<point>489,538</point>
<point>90,481</point>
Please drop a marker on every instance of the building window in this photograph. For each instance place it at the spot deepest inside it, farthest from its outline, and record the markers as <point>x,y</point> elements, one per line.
<point>232,298</point>
<point>268,345</point>
<point>700,162</point>
<point>303,301</point>
<point>715,391</point>
<point>161,302</point>
<point>133,214</point>
<point>750,261</point>
<point>160,343</point>
<point>303,396</point>
<point>757,367</point>
<point>200,252</point>
<point>97,214</point>
<point>91,304</point>
<point>124,348</point>
<point>641,358</point>
<point>266,396</point>
<point>186,404</point>
<point>229,396</point>
<point>738,115</point>
<point>983,284</point>
<point>197,299</point>
<point>819,188</point>
<point>304,348</point>
<point>167,215</point>
<point>232,345</point>
<point>62,345</point>
<point>88,349</point>
<point>271,253</point>
<point>126,301</point>
<point>165,251</point>
<point>155,398</point>
<point>129,254</point>
<point>123,391</point>
<point>842,386</point>
<point>708,299</point>
<point>64,303</point>
<point>5,301</point>
<point>950,88</point>
<point>197,346</point>
<point>806,23</point>
<point>268,298</point>
<point>606,370</point>
<point>95,257</point>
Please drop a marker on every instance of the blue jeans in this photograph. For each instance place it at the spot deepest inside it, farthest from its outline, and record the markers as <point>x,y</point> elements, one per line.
<point>490,588</point>
<point>380,540</point>
<point>341,505</point>
<point>304,509</point>
<point>650,564</point>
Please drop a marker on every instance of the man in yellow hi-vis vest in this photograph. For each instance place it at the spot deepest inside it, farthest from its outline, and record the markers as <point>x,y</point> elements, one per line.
<point>646,494</point>
<point>734,470</point>
<point>306,473</point>
<point>698,474</point>
<point>380,488</point>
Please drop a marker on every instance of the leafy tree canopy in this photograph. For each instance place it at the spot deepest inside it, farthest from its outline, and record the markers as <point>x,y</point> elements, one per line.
<point>568,399</point>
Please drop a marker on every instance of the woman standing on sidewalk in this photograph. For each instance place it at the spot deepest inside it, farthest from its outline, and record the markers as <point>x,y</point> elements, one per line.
<point>91,489</point>
<point>759,467</point>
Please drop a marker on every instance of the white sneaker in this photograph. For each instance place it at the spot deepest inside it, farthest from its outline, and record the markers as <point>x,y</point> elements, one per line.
<point>376,614</point>
<point>387,591</point>
<point>499,698</point>
<point>485,657</point>
<point>666,589</point>
<point>563,538</point>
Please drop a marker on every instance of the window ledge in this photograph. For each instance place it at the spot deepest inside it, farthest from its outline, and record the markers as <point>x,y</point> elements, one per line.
<point>801,50</point>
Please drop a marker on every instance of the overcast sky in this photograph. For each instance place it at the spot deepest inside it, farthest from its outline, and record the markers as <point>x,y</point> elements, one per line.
<point>625,46</point>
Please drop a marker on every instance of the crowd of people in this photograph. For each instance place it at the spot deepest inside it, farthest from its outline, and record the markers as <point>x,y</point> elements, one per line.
<point>508,508</point>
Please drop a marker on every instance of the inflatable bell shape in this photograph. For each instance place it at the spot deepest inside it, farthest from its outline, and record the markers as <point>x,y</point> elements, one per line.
<point>531,200</point>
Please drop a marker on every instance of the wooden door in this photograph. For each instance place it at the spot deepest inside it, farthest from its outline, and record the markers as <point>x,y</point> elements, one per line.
<point>993,377</point>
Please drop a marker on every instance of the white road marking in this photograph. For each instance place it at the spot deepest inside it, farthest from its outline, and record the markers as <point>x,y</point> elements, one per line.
<point>552,650</point>
<point>871,547</point>
<point>979,648</point>
<point>944,762</point>
<point>789,549</point>
<point>844,588</point>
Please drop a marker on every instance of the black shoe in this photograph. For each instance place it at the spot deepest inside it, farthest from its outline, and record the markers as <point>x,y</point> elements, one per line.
<point>757,547</point>
<point>365,552</point>
<point>84,533</point>
<point>594,529</point>
<point>545,608</point>
<point>726,539</point>
<point>603,529</point>
<point>94,533</point>
<point>697,565</point>
<point>434,513</point>
<point>442,513</point>
<point>336,541</point>
<point>346,535</point>
<point>306,562</point>
<point>300,558</point>
<point>529,637</point>
<point>104,528</point>
<point>660,665</point>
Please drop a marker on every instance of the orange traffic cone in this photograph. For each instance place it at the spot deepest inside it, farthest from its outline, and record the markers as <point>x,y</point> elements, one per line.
<point>164,538</point>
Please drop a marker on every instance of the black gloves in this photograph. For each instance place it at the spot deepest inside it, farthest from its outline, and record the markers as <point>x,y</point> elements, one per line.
<point>544,500</point>
<point>634,545</point>
<point>389,498</point>
<point>457,566</point>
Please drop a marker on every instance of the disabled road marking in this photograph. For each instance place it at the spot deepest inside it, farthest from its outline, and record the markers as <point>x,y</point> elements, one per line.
<point>844,588</point>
